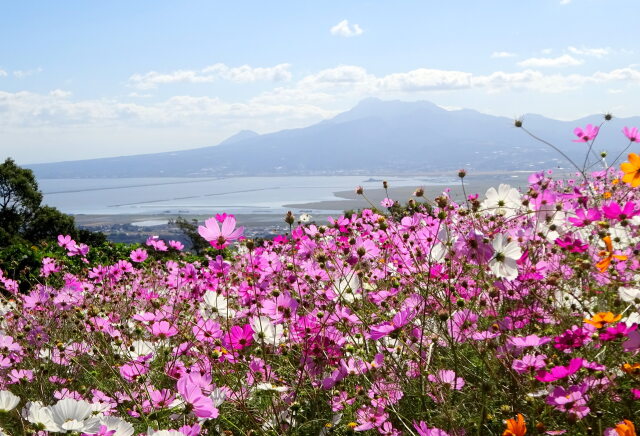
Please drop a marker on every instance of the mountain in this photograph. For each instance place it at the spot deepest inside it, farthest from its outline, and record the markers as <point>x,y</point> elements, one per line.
<point>384,137</point>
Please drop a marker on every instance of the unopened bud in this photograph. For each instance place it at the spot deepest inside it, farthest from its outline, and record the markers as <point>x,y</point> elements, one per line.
<point>462,173</point>
<point>359,190</point>
<point>289,218</point>
<point>517,123</point>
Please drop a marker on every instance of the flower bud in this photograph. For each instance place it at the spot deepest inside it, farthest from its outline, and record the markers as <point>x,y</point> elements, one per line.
<point>289,218</point>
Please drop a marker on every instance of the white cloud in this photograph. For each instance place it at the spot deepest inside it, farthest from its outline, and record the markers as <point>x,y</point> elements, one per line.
<point>26,73</point>
<point>344,74</point>
<point>560,61</point>
<point>546,51</point>
<point>59,93</point>
<point>3,73</point>
<point>502,54</point>
<point>241,74</point>
<point>565,2</point>
<point>424,79</point>
<point>343,28</point>
<point>595,52</point>
<point>189,121</point>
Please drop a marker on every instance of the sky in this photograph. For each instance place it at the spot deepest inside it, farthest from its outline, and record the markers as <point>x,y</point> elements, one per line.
<point>85,79</point>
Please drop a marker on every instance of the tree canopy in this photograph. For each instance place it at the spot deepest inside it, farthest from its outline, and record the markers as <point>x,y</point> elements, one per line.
<point>23,217</point>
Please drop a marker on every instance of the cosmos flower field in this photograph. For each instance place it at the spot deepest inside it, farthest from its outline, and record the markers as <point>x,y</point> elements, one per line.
<point>513,312</point>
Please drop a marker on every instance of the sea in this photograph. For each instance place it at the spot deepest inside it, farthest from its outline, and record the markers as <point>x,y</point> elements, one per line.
<point>194,196</point>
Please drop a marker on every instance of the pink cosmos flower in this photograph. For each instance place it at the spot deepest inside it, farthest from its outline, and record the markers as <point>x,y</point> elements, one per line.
<point>586,135</point>
<point>220,237</point>
<point>447,377</point>
<point>633,342</point>
<point>527,341</point>
<point>162,398</point>
<point>132,370</point>
<point>163,329</point>
<point>560,372</point>
<point>65,241</point>
<point>528,362</point>
<point>176,245</point>
<point>386,202</point>
<point>614,211</point>
<point>207,330</point>
<point>571,244</point>
<point>220,217</point>
<point>239,337</point>
<point>632,134</point>
<point>399,320</point>
<point>191,391</point>
<point>584,218</point>
<point>571,400</point>
<point>157,243</point>
<point>423,430</point>
<point>102,431</point>
<point>370,418</point>
<point>139,255</point>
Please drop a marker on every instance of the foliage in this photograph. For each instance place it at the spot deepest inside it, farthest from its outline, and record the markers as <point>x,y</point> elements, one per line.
<point>190,229</point>
<point>24,220</point>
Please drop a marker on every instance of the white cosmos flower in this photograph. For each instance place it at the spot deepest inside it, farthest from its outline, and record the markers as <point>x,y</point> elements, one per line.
<point>629,295</point>
<point>74,415</point>
<point>120,426</point>
<point>152,432</point>
<point>305,218</point>
<point>218,396</point>
<point>633,318</point>
<point>139,349</point>
<point>270,387</point>
<point>216,305</point>
<point>8,401</point>
<point>266,331</point>
<point>347,286</point>
<point>505,201</point>
<point>503,264</point>
<point>36,413</point>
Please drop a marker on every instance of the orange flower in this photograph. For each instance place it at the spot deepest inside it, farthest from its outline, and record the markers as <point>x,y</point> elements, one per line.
<point>615,181</point>
<point>516,427</point>
<point>631,170</point>
<point>599,320</point>
<point>631,369</point>
<point>626,428</point>
<point>607,255</point>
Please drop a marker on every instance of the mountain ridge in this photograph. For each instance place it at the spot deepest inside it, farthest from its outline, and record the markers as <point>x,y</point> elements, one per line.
<point>374,136</point>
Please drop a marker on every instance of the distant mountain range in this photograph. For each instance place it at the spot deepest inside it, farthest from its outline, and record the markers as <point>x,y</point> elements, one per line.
<point>381,137</point>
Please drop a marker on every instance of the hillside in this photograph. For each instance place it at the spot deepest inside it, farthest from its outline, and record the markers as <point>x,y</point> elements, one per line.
<point>375,136</point>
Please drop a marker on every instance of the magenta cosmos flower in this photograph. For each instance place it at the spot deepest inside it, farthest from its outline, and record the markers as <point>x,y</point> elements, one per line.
<point>560,372</point>
<point>632,134</point>
<point>139,255</point>
<point>587,134</point>
<point>220,237</point>
<point>239,337</point>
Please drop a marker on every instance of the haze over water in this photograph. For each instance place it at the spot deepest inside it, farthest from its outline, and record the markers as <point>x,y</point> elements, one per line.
<point>198,196</point>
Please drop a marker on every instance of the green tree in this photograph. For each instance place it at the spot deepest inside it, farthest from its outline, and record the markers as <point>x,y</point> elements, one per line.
<point>190,229</point>
<point>23,218</point>
<point>19,199</point>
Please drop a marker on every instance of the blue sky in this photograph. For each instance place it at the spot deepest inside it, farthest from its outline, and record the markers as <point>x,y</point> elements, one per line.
<point>85,79</point>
